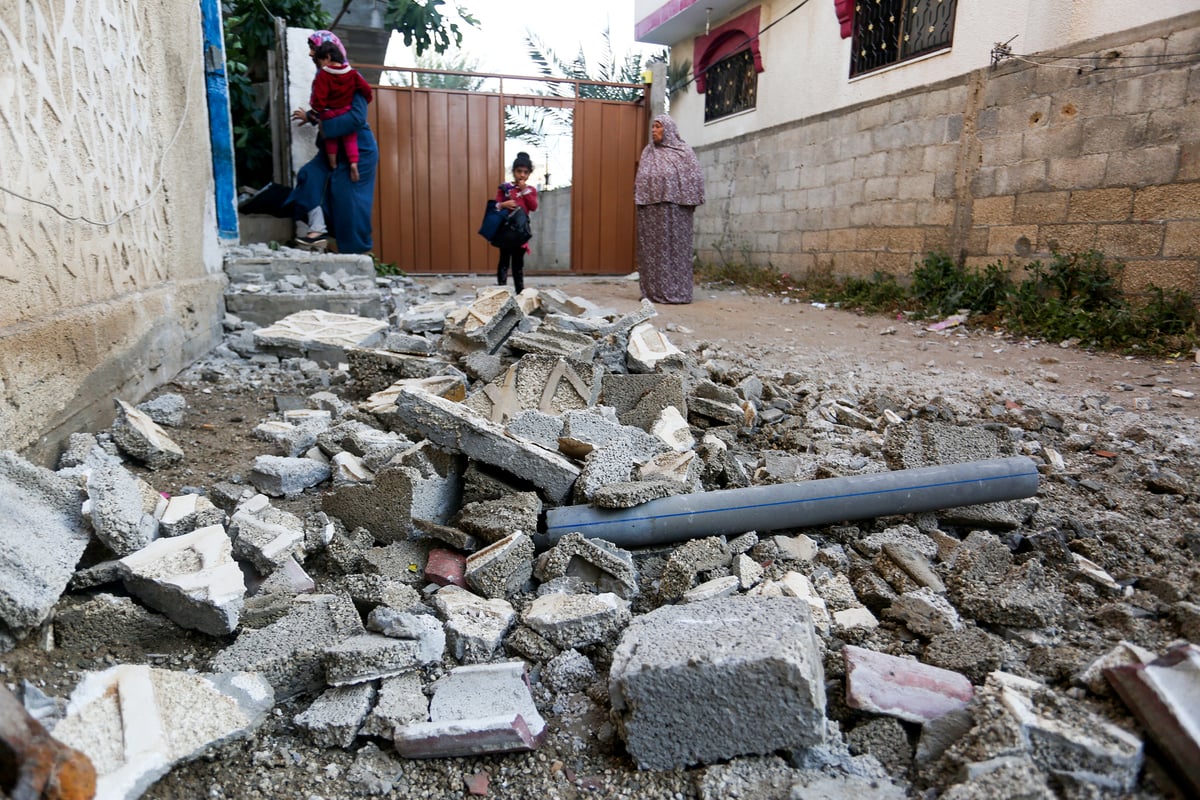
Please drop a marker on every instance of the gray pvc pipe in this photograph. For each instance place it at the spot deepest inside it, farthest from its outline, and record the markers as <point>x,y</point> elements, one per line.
<point>798,505</point>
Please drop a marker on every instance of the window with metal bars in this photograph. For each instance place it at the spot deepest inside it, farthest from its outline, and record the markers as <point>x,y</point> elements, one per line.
<point>890,31</point>
<point>732,86</point>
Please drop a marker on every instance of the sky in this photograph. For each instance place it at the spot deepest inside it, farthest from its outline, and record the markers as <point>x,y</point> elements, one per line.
<point>498,45</point>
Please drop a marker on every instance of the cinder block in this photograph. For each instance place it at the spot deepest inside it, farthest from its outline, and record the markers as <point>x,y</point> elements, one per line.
<point>710,681</point>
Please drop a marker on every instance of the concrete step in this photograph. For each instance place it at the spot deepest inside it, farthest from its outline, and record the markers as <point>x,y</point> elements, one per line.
<point>258,263</point>
<point>267,308</point>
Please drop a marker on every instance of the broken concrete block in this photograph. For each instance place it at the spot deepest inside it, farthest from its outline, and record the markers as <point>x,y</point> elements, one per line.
<point>136,722</point>
<point>603,467</point>
<point>493,520</point>
<point>185,513</point>
<point>672,428</point>
<point>1164,695</point>
<point>482,708</point>
<point>502,568</point>
<point>486,322</point>
<point>629,494</point>
<point>856,618</point>
<point>425,629</point>
<point>288,652</point>
<point>1067,740</point>
<point>549,341</point>
<point>401,701</point>
<point>1123,654</point>
<point>279,476</point>
<point>475,626</point>
<point>35,764</point>
<point>108,621</point>
<point>166,409</point>
<point>266,536</point>
<point>446,534</point>
<point>386,505</point>
<point>384,375</point>
<point>748,571</point>
<point>455,428</point>
<point>687,560</point>
<point>334,718</point>
<point>602,564</point>
<point>901,687</point>
<point>648,346</point>
<point>291,439</point>
<point>924,612</point>
<point>320,335</point>
<point>446,567</point>
<point>681,468</point>
<point>140,438</point>
<point>426,317</point>
<point>569,671</point>
<point>529,645</point>
<point>577,620</point>
<point>640,400</point>
<point>717,587</point>
<point>349,468</point>
<point>193,579</point>
<point>121,507</point>
<point>983,583</point>
<point>548,384</point>
<point>368,656</point>
<point>544,430</point>
<point>398,561</point>
<point>705,682</point>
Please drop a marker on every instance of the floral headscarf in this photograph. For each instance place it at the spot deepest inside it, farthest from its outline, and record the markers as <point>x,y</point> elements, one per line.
<point>669,172</point>
<point>321,37</point>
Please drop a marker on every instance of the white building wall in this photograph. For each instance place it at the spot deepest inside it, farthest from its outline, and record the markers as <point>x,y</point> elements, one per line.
<point>806,61</point>
<point>110,265</point>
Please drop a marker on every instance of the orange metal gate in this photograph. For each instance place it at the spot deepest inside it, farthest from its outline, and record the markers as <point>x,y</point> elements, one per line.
<point>440,160</point>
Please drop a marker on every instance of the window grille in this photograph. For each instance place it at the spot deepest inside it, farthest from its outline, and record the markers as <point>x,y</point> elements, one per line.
<point>889,31</point>
<point>732,86</point>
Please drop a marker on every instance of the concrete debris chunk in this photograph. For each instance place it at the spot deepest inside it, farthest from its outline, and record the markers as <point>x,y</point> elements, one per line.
<point>1094,675</point>
<point>1164,695</point>
<point>140,438</point>
<point>266,536</point>
<point>288,652</point>
<point>569,671</point>
<point>493,520</point>
<point>486,322</point>
<point>193,579</point>
<point>706,682</point>
<point>137,722</point>
<point>901,687</point>
<point>121,507</point>
<point>455,428</point>
<point>320,335</point>
<point>577,620</point>
<point>166,409</point>
<point>924,612</point>
<point>502,568</point>
<point>387,505</point>
<point>292,439</point>
<point>185,513</point>
<point>688,560</point>
<point>475,626</point>
<point>476,709</point>
<point>672,428</point>
<point>602,564</point>
<point>279,476</point>
<point>648,347</point>
<point>368,657</point>
<point>335,717</point>
<point>1068,741</point>
<point>109,621</point>
<point>717,587</point>
<point>640,400</point>
<point>401,701</point>
<point>423,628</point>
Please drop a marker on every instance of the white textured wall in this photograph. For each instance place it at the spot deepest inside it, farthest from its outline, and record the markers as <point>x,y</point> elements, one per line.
<point>807,62</point>
<point>110,266</point>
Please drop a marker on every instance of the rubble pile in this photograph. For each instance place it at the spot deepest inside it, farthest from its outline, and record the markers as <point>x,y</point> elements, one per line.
<point>381,592</point>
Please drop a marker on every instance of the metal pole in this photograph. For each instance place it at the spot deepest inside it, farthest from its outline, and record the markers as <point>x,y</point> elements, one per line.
<point>798,505</point>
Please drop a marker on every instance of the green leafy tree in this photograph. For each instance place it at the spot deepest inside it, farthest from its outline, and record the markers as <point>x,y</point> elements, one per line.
<point>250,35</point>
<point>534,124</point>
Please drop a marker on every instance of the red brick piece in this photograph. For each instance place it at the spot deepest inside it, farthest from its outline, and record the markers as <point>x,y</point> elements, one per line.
<point>446,568</point>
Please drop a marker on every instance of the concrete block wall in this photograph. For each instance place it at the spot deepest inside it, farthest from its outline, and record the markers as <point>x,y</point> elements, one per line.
<point>1005,164</point>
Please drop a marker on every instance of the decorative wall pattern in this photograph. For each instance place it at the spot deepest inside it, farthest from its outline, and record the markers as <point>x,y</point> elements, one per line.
<point>101,102</point>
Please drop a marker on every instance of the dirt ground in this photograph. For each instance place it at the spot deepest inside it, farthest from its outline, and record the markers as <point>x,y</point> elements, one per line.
<point>835,348</point>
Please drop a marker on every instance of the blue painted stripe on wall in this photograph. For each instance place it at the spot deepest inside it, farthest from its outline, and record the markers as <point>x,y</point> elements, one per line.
<point>220,124</point>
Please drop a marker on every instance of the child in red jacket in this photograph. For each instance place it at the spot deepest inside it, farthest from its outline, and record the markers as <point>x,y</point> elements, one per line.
<point>332,91</point>
<point>508,196</point>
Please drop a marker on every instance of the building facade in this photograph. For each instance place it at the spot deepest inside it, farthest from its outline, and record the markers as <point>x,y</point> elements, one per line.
<point>858,136</point>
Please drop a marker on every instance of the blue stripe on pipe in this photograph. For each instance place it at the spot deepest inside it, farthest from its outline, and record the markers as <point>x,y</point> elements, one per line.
<point>576,526</point>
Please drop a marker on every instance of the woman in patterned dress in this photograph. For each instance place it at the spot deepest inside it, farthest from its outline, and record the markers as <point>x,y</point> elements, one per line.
<point>669,186</point>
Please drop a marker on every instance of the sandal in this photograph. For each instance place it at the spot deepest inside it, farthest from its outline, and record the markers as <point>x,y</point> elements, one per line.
<point>318,242</point>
